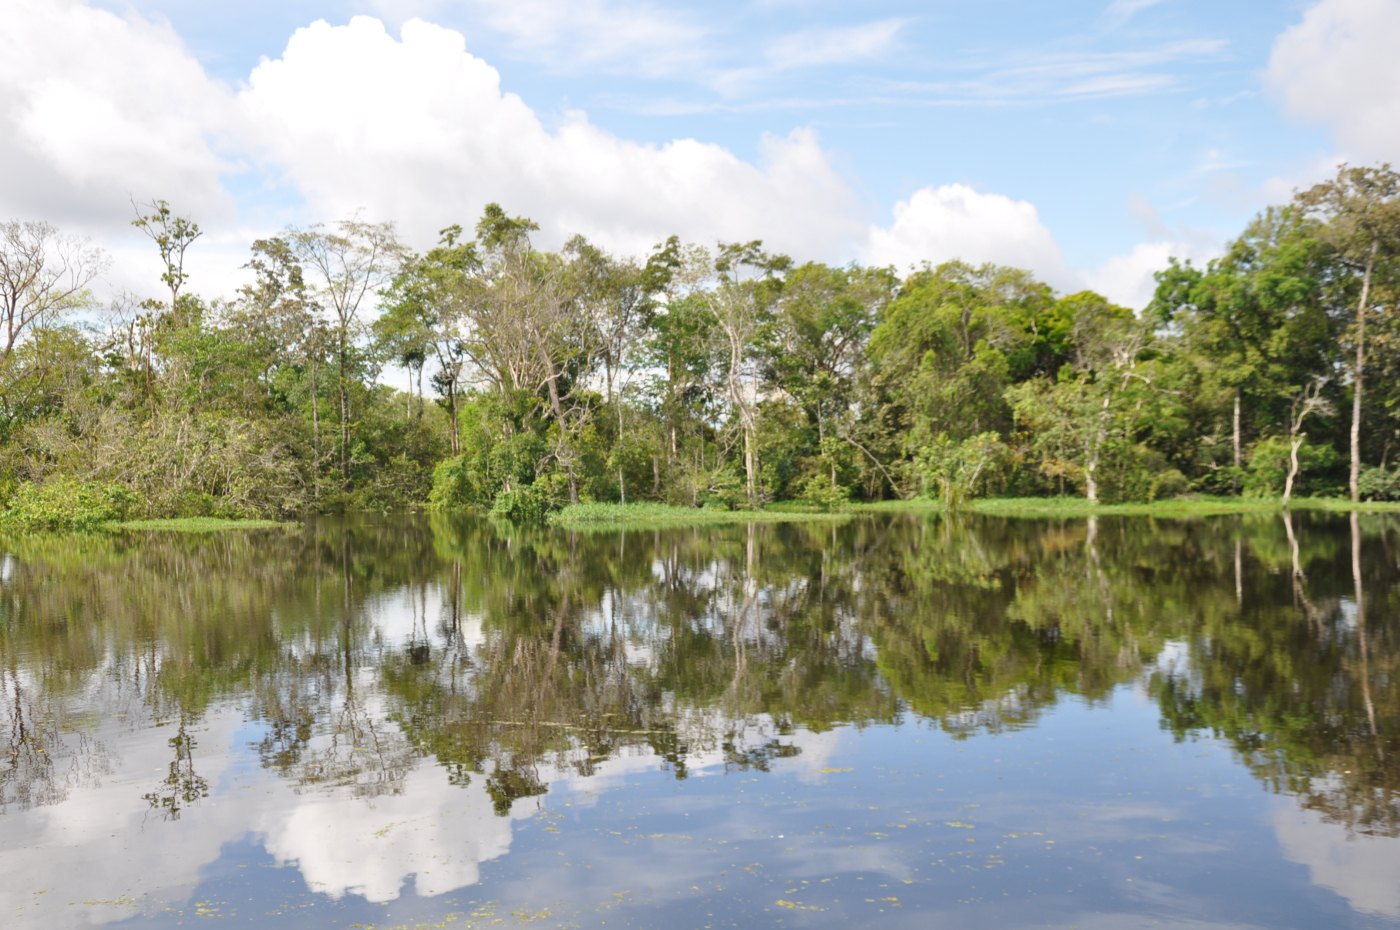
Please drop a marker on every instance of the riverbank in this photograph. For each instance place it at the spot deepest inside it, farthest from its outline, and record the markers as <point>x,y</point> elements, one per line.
<point>604,516</point>
<point>192,525</point>
<point>1177,507</point>
<point>601,516</point>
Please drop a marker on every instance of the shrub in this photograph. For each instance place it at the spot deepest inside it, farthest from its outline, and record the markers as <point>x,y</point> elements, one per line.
<point>1269,462</point>
<point>819,491</point>
<point>957,469</point>
<point>66,504</point>
<point>1378,484</point>
<point>456,484</point>
<point>519,505</point>
<point>530,503</point>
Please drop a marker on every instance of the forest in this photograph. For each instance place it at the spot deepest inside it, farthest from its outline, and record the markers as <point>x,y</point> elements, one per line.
<point>728,377</point>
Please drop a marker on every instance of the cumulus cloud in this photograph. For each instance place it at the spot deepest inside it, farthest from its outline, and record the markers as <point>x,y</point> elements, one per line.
<point>1338,66</point>
<point>95,107</point>
<point>954,221</point>
<point>1128,279</point>
<point>419,130</point>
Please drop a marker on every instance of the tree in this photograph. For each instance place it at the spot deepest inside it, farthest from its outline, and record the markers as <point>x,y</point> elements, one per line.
<point>1253,323</point>
<point>951,342</point>
<point>44,274</point>
<point>349,265</point>
<point>422,313</point>
<point>815,344</point>
<point>1361,207</point>
<point>1092,407</point>
<point>1303,403</point>
<point>738,288</point>
<point>173,235</point>
<point>524,333</point>
<point>280,309</point>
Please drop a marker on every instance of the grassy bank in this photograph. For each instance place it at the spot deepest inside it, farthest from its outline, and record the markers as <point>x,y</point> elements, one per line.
<point>1181,507</point>
<point>194,525</point>
<point>607,516</point>
<point>657,515</point>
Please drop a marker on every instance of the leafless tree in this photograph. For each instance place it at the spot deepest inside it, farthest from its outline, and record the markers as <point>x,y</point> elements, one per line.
<point>43,275</point>
<point>1303,404</point>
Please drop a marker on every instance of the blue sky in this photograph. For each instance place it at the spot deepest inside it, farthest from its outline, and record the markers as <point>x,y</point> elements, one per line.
<point>1086,140</point>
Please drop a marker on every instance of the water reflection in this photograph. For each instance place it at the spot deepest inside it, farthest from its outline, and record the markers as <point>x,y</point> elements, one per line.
<point>376,700</point>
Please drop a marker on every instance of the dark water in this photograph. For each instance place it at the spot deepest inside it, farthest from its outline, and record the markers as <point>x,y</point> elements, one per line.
<point>887,721</point>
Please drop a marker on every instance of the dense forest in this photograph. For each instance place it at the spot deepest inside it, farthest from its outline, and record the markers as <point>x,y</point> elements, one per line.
<point>729,377</point>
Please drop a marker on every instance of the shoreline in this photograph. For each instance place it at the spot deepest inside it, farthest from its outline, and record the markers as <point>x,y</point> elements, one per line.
<point>605,516</point>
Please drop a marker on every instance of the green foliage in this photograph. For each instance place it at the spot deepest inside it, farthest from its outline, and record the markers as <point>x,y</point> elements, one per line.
<point>520,505</point>
<point>531,503</point>
<point>726,380</point>
<point>819,492</point>
<point>66,504</point>
<point>956,470</point>
<point>1269,463</point>
<point>1379,484</point>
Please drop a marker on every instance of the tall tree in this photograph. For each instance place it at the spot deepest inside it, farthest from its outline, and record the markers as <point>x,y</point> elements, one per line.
<point>348,265</point>
<point>738,287</point>
<point>44,274</point>
<point>173,235</point>
<point>524,331</point>
<point>1093,406</point>
<point>422,314</point>
<point>1361,207</point>
<point>1254,322</point>
<point>814,345</point>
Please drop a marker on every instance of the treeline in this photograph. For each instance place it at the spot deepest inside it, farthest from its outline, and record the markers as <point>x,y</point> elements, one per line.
<point>732,377</point>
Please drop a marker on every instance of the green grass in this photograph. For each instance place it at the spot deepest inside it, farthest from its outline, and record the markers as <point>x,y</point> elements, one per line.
<point>1183,507</point>
<point>657,515</point>
<point>195,525</point>
<point>608,516</point>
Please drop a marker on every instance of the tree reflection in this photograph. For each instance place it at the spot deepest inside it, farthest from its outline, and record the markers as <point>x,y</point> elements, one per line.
<point>1301,685</point>
<point>509,655</point>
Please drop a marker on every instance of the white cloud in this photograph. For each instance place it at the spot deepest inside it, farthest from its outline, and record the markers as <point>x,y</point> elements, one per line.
<point>1120,11</point>
<point>437,832</point>
<point>420,131</point>
<point>1358,867</point>
<point>1339,66</point>
<point>1066,75</point>
<point>838,45</point>
<point>620,37</point>
<point>94,108</point>
<point>956,222</point>
<point>1127,279</point>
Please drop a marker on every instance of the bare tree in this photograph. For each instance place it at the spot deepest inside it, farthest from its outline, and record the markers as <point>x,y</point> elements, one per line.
<point>43,274</point>
<point>1303,404</point>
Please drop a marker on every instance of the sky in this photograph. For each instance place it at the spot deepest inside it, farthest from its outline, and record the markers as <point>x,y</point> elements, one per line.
<point>1087,140</point>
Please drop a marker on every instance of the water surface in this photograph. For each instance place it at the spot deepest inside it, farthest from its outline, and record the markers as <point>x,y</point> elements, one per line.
<point>894,720</point>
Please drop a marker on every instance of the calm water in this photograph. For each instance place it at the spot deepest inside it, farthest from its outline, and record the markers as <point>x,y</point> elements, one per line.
<point>895,721</point>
